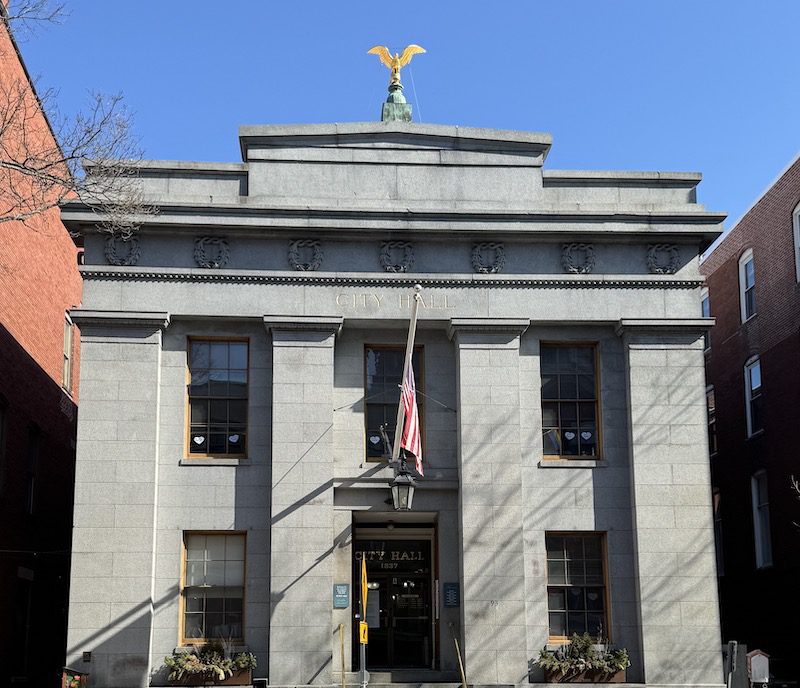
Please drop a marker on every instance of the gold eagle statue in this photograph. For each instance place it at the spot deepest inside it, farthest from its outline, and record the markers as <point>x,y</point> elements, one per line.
<point>398,61</point>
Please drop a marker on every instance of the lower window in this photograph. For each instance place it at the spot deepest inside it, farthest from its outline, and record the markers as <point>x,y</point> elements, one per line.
<point>576,590</point>
<point>213,586</point>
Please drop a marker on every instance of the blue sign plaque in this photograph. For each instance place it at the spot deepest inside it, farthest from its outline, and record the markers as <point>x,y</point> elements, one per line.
<point>341,595</point>
<point>451,594</point>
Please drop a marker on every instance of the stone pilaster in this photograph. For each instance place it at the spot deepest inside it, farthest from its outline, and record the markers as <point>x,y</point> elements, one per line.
<point>671,502</point>
<point>301,624</point>
<point>113,543</point>
<point>490,499</point>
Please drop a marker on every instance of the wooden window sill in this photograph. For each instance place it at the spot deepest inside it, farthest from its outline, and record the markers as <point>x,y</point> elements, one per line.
<point>215,461</point>
<point>571,463</point>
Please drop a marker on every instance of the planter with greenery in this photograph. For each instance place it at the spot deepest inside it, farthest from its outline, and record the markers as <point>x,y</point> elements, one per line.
<point>210,664</point>
<point>584,660</point>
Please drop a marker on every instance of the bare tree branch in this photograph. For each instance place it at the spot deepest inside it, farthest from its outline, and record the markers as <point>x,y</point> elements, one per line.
<point>26,16</point>
<point>47,159</point>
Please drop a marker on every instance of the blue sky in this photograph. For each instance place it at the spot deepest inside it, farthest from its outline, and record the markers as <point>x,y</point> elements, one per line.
<point>687,85</point>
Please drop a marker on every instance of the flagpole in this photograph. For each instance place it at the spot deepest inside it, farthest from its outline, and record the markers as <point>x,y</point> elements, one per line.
<point>412,330</point>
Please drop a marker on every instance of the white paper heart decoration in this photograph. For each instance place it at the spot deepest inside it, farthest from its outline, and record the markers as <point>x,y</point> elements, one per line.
<point>375,439</point>
<point>569,435</point>
<point>199,440</point>
<point>586,435</point>
<point>234,438</point>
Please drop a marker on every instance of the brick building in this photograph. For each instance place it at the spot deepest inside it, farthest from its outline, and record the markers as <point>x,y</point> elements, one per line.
<point>39,283</point>
<point>753,375</point>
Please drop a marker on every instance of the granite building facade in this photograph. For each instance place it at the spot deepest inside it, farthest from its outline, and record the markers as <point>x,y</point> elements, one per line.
<point>241,351</point>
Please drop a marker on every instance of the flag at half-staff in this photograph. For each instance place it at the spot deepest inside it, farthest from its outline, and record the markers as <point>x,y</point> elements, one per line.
<point>411,441</point>
<point>407,412</point>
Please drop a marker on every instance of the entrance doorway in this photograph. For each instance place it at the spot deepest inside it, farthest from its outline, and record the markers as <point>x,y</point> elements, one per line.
<point>400,612</point>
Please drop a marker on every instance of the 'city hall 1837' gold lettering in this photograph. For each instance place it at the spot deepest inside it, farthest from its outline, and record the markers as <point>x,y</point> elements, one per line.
<point>395,555</point>
<point>371,300</point>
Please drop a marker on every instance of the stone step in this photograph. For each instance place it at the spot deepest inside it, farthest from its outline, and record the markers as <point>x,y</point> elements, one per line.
<point>406,677</point>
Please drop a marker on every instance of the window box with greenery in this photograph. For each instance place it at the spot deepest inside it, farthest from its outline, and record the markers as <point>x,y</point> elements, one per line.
<point>210,664</point>
<point>584,660</point>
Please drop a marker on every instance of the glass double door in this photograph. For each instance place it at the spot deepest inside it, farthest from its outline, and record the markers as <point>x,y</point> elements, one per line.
<point>399,622</point>
<point>399,609</point>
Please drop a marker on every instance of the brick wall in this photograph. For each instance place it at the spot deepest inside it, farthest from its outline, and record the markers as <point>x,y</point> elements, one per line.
<point>750,596</point>
<point>39,277</point>
<point>39,282</point>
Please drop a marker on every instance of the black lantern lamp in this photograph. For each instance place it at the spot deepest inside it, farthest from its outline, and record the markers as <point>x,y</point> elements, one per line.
<point>403,487</point>
<point>403,484</point>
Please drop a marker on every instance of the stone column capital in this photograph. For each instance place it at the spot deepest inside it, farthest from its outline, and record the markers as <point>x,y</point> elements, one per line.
<point>143,326</point>
<point>491,326</point>
<point>143,319</point>
<point>668,326</point>
<point>303,323</point>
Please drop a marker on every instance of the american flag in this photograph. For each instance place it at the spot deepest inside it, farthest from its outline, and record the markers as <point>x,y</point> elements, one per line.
<point>411,440</point>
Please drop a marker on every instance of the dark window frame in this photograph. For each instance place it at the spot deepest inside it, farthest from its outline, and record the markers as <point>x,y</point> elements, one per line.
<point>719,545</point>
<point>754,424</point>
<point>711,414</point>
<point>69,350</point>
<point>705,311</point>
<point>4,413</point>
<point>747,287</point>
<point>762,521</point>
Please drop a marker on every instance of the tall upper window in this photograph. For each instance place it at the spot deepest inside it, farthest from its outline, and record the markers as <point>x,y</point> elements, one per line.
<point>569,400</point>
<point>213,586</point>
<point>34,450</point>
<point>218,379</point>
<point>576,592</point>
<point>747,285</point>
<point>711,409</point>
<point>761,529</point>
<point>67,372</point>
<point>3,421</point>
<point>717,502</point>
<point>384,371</point>
<point>796,232</point>
<point>753,402</point>
<point>705,310</point>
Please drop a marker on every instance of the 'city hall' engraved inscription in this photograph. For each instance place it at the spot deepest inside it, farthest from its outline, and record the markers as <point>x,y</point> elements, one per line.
<point>373,301</point>
<point>362,301</point>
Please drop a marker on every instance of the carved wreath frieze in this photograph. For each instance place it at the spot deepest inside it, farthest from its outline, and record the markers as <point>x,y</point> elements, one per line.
<point>488,258</point>
<point>662,259</point>
<point>116,255</point>
<point>308,249</point>
<point>397,256</point>
<point>577,258</point>
<point>211,252</point>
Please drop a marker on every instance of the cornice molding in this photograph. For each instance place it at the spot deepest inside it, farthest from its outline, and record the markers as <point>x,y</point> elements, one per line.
<point>479,281</point>
<point>368,218</point>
